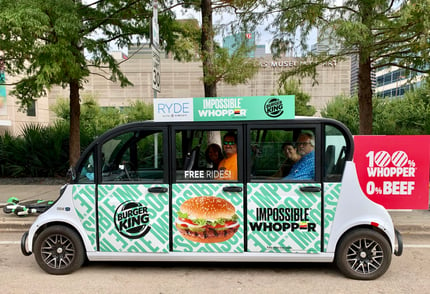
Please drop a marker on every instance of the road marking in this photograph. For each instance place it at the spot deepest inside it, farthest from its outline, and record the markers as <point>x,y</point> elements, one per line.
<point>9,242</point>
<point>416,246</point>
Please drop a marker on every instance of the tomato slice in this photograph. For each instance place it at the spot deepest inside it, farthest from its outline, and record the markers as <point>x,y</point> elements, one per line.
<point>186,220</point>
<point>226,224</point>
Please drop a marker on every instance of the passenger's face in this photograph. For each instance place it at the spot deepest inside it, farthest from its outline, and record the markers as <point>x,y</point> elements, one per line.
<point>289,151</point>
<point>213,154</point>
<point>229,146</point>
<point>304,145</point>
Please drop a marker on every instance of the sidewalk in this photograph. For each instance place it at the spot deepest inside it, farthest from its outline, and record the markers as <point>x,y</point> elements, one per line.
<point>405,221</point>
<point>11,222</point>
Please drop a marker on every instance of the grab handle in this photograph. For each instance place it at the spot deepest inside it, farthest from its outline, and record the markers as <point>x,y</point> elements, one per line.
<point>157,190</point>
<point>313,189</point>
<point>232,189</point>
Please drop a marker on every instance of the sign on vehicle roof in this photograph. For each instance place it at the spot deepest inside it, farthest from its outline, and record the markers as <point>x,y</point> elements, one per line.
<point>224,108</point>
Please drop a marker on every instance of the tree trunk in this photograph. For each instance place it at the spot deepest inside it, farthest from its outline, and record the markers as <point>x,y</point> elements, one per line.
<point>365,106</point>
<point>75,113</point>
<point>207,44</point>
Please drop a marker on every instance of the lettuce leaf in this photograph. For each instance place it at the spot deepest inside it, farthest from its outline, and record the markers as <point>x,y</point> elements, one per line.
<point>222,221</point>
<point>182,214</point>
<point>199,221</point>
<point>203,222</point>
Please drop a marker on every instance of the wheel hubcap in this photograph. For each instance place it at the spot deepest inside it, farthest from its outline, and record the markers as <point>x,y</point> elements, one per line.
<point>57,251</point>
<point>365,256</point>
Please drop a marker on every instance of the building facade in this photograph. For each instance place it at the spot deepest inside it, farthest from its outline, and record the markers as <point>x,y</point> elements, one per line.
<point>393,82</point>
<point>180,79</point>
<point>13,118</point>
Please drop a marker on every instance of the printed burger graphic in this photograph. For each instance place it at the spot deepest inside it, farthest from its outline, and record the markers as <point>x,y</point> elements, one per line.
<point>207,219</point>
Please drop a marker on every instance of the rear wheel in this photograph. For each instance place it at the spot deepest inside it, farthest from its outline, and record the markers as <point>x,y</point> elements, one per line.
<point>6,209</point>
<point>363,254</point>
<point>59,250</point>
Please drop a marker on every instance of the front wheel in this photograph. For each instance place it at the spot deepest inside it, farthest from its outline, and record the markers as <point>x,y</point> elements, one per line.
<point>363,254</point>
<point>59,250</point>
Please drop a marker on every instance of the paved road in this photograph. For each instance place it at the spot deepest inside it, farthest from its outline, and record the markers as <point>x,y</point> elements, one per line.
<point>20,274</point>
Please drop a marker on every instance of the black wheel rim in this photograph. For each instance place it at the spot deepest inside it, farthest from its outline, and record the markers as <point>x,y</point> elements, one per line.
<point>57,251</point>
<point>365,256</point>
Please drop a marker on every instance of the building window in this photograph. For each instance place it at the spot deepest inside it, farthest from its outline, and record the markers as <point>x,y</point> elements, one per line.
<point>31,109</point>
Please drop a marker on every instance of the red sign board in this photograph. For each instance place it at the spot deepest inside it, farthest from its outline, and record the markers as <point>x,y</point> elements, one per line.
<point>394,170</point>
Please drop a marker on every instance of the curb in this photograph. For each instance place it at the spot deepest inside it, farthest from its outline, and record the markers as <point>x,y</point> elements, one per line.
<point>413,229</point>
<point>15,227</point>
<point>16,224</point>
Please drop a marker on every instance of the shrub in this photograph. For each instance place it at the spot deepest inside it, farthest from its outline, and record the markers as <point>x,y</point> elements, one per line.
<point>39,152</point>
<point>408,115</point>
<point>42,151</point>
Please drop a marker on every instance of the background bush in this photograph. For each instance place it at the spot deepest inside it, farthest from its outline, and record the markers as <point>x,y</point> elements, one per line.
<point>408,115</point>
<point>42,151</point>
<point>38,152</point>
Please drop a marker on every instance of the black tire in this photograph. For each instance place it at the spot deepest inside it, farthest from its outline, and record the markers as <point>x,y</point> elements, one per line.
<point>363,254</point>
<point>59,250</point>
<point>7,210</point>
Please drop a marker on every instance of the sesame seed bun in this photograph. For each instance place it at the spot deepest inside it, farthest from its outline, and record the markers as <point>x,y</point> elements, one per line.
<point>208,207</point>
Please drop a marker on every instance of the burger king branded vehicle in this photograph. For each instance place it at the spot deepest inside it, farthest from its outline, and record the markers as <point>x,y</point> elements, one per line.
<point>208,180</point>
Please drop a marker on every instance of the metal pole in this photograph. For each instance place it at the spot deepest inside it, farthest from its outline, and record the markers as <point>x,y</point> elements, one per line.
<point>155,42</point>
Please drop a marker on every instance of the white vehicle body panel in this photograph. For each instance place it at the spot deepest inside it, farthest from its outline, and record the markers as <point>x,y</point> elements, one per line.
<point>355,209</point>
<point>58,213</point>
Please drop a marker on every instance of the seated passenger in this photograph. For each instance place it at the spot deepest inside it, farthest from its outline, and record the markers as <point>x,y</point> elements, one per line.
<point>213,155</point>
<point>291,155</point>
<point>228,166</point>
<point>304,169</point>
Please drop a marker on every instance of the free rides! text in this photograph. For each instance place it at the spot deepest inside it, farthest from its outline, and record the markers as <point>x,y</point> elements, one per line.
<point>207,174</point>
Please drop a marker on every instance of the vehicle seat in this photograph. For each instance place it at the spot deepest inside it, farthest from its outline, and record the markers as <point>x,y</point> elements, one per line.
<point>329,159</point>
<point>191,158</point>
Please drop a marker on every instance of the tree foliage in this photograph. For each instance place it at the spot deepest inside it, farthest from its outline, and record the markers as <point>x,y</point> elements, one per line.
<point>46,40</point>
<point>46,43</point>
<point>382,33</point>
<point>232,69</point>
<point>217,64</point>
<point>409,115</point>
<point>291,87</point>
<point>345,110</point>
<point>95,120</point>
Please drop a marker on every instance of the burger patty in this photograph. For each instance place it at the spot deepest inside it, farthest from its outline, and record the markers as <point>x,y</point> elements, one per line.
<point>209,232</point>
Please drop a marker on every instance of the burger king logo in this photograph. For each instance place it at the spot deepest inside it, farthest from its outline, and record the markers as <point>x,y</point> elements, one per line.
<point>274,107</point>
<point>132,220</point>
